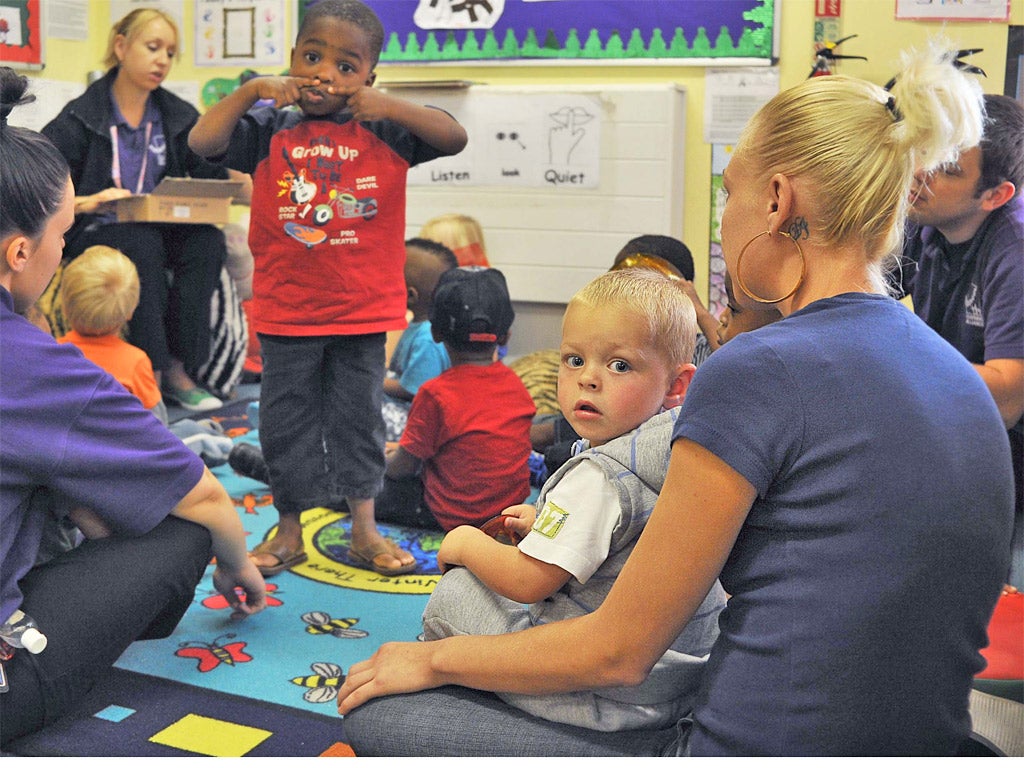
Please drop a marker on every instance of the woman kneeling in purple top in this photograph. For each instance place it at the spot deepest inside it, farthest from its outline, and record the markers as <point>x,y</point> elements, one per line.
<point>77,448</point>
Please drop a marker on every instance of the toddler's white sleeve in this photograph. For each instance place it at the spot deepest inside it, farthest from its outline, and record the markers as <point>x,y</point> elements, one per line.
<point>573,529</point>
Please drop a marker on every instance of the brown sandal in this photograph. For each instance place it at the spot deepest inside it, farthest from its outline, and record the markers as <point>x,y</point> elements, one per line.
<point>287,558</point>
<point>372,560</point>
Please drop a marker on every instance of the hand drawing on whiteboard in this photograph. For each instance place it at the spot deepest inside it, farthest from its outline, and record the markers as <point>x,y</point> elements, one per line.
<point>458,14</point>
<point>566,134</point>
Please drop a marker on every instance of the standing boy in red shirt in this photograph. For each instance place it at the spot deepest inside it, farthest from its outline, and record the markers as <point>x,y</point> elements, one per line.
<point>327,234</point>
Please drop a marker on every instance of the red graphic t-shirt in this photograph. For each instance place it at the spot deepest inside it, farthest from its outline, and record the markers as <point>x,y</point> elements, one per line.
<point>327,226</point>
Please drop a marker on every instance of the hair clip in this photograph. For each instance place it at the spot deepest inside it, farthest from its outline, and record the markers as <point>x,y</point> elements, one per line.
<point>963,66</point>
<point>890,104</point>
<point>954,57</point>
<point>645,261</point>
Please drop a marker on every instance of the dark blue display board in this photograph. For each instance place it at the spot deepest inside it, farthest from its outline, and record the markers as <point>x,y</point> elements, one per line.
<point>584,30</point>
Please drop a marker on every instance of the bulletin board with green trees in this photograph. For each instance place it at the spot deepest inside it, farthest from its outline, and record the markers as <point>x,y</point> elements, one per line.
<point>625,31</point>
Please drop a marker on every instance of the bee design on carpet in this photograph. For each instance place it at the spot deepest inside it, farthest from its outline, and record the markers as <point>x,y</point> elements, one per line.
<point>320,623</point>
<point>323,684</point>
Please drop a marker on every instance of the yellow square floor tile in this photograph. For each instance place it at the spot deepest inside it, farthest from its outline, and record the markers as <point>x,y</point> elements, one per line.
<point>208,736</point>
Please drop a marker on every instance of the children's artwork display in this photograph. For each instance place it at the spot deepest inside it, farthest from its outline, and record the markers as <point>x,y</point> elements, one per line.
<point>239,32</point>
<point>961,10</point>
<point>21,39</point>
<point>626,31</point>
<point>717,300</point>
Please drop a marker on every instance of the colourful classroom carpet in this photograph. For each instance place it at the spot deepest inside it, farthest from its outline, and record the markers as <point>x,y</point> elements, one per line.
<point>131,715</point>
<point>266,685</point>
<point>321,617</point>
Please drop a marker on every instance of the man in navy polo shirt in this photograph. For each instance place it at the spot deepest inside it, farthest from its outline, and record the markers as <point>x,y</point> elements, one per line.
<point>964,269</point>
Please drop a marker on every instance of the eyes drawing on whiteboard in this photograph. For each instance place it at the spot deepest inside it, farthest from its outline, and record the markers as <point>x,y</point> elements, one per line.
<point>512,136</point>
<point>566,134</point>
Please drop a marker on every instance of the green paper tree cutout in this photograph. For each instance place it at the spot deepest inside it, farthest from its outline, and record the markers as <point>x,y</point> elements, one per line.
<point>757,42</point>
<point>635,48</point>
<point>431,50</point>
<point>593,48</point>
<point>450,49</point>
<point>762,16</point>
<point>749,44</point>
<point>393,50</point>
<point>678,47</point>
<point>470,47</point>
<point>657,48</point>
<point>613,48</point>
<point>551,45</point>
<point>701,44</point>
<point>572,47</point>
<point>490,49</point>
<point>530,48</point>
<point>723,45</point>
<point>509,46</point>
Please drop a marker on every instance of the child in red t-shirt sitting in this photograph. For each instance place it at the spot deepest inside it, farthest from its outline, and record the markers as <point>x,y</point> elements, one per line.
<point>463,456</point>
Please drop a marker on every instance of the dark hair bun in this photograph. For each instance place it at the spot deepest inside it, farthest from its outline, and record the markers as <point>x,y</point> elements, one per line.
<point>12,91</point>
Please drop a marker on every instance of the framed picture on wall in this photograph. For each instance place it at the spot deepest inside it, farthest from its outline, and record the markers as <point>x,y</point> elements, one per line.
<point>21,38</point>
<point>239,33</point>
<point>964,10</point>
<point>247,33</point>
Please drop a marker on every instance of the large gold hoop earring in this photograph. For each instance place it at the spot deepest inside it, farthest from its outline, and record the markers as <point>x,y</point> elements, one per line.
<point>754,296</point>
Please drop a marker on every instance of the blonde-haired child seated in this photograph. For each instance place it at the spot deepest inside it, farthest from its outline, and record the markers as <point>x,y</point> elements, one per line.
<point>627,341</point>
<point>463,234</point>
<point>99,294</point>
<point>464,237</point>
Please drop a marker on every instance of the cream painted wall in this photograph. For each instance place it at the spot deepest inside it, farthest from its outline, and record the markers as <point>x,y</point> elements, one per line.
<point>880,38</point>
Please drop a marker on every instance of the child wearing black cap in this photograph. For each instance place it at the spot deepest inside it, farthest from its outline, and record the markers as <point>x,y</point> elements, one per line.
<point>463,456</point>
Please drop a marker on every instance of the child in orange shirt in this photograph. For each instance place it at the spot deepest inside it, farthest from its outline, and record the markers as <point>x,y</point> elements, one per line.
<point>99,294</point>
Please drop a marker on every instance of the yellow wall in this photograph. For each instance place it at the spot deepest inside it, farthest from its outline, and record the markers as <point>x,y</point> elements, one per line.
<point>880,38</point>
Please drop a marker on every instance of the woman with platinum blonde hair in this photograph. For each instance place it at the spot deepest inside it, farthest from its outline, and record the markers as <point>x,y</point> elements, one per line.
<point>817,468</point>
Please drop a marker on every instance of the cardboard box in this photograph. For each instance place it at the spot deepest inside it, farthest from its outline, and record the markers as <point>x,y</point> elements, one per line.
<point>182,201</point>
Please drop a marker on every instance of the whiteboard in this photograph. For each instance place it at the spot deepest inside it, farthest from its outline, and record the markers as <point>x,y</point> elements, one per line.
<point>552,239</point>
<point>521,139</point>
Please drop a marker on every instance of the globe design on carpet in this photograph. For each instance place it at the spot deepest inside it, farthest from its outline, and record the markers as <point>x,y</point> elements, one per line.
<point>334,539</point>
<point>327,536</point>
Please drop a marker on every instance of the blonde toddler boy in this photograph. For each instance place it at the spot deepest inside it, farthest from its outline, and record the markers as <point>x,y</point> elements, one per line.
<point>627,342</point>
<point>99,293</point>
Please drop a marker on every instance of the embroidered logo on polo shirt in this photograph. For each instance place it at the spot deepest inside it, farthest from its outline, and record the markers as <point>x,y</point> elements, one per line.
<point>158,149</point>
<point>550,520</point>
<point>972,308</point>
